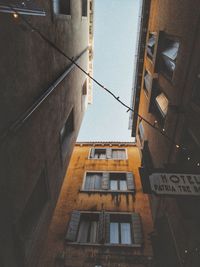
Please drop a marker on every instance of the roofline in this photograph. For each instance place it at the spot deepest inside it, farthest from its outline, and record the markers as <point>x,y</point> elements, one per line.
<point>137,80</point>
<point>105,143</point>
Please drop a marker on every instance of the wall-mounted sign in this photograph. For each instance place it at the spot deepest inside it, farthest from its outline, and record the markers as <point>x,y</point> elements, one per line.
<point>175,184</point>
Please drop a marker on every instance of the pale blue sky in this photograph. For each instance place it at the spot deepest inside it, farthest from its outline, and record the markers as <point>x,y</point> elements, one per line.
<point>115,29</point>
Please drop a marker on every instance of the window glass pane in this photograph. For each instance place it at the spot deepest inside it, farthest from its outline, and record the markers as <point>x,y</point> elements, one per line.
<point>87,182</point>
<point>83,231</point>
<point>113,185</point>
<point>171,51</point>
<point>118,154</point>
<point>102,156</point>
<point>170,65</point>
<point>122,185</point>
<point>97,181</point>
<point>162,103</point>
<point>93,232</point>
<point>148,81</point>
<point>125,229</point>
<point>151,41</point>
<point>141,131</point>
<point>114,233</point>
<point>93,181</point>
<point>100,153</point>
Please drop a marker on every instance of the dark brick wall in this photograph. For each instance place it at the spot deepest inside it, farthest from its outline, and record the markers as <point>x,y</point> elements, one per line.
<point>179,19</point>
<point>28,67</point>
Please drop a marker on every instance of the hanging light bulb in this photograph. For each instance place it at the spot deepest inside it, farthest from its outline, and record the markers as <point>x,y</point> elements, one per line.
<point>188,158</point>
<point>177,146</point>
<point>15,15</point>
<point>198,164</point>
<point>163,129</point>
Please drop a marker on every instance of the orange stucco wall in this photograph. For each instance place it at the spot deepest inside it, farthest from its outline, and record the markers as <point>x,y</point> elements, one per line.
<point>72,199</point>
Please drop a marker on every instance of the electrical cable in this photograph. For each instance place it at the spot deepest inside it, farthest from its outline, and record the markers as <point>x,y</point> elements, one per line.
<point>33,28</point>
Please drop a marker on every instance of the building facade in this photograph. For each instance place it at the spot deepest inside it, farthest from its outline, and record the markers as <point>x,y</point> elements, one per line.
<point>43,99</point>
<point>167,96</point>
<point>102,218</point>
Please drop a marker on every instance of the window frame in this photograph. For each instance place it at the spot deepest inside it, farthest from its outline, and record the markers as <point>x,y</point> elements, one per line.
<point>58,15</point>
<point>153,107</point>
<point>129,215</point>
<point>108,191</point>
<point>125,149</point>
<point>140,138</point>
<point>162,47</point>
<point>153,59</point>
<point>67,138</point>
<point>87,8</point>
<point>146,91</point>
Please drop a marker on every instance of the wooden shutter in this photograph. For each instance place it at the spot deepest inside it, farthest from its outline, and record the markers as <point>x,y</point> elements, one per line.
<point>105,181</point>
<point>108,153</point>
<point>107,227</point>
<point>100,233</point>
<point>137,229</point>
<point>92,153</point>
<point>73,226</point>
<point>130,181</point>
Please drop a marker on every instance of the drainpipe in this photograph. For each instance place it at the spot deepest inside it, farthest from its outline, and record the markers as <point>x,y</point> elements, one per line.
<point>27,114</point>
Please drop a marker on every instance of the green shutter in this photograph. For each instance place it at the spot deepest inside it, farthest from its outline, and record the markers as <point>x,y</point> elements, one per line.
<point>105,181</point>
<point>92,153</point>
<point>100,232</point>
<point>130,181</point>
<point>137,229</point>
<point>107,227</point>
<point>108,153</point>
<point>73,226</point>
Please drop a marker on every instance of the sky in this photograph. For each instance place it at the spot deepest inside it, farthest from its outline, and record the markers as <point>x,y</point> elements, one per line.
<point>115,30</point>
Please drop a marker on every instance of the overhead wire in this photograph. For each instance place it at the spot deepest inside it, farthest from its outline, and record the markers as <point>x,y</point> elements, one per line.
<point>117,98</point>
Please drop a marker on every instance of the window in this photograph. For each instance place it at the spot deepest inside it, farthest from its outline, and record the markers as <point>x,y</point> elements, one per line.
<point>84,8</point>
<point>105,228</point>
<point>151,45</point>
<point>84,88</point>
<point>141,132</point>
<point>118,181</point>
<point>107,153</point>
<point>147,82</point>
<point>83,96</point>
<point>66,133</point>
<point>169,52</point>
<point>87,232</point>
<point>162,104</point>
<point>62,7</point>
<point>120,233</point>
<point>98,154</point>
<point>93,181</point>
<point>108,181</point>
<point>118,153</point>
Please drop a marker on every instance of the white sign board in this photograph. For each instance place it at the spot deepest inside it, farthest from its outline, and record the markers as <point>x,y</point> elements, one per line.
<point>175,184</point>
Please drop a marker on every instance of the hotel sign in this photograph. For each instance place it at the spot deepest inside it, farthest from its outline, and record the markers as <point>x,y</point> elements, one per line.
<point>175,184</point>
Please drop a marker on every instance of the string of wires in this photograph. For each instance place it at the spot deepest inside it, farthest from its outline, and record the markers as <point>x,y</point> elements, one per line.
<point>117,98</point>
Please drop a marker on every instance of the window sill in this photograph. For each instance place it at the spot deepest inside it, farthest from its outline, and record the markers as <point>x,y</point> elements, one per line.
<point>62,17</point>
<point>105,245</point>
<point>107,191</point>
<point>84,17</point>
<point>106,159</point>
